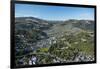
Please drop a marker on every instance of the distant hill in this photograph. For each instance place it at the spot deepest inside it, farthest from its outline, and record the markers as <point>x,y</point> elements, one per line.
<point>83,24</point>
<point>32,22</point>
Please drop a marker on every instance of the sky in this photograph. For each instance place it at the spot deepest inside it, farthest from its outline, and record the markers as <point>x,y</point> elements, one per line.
<point>54,12</point>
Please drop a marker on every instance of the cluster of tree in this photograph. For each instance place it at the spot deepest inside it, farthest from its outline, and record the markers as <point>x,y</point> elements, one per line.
<point>72,45</point>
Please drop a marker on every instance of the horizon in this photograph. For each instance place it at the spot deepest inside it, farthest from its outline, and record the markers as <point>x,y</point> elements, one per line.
<point>53,20</point>
<point>54,13</point>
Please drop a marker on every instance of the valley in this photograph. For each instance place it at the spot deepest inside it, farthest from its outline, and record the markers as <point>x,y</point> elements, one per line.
<point>40,41</point>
